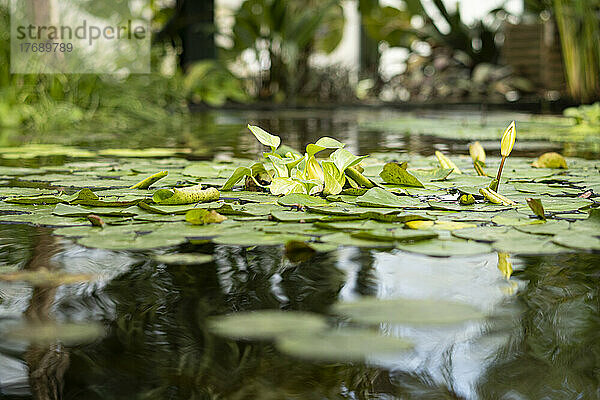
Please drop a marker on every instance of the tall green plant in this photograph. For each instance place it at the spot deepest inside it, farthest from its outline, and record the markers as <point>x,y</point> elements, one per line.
<point>282,35</point>
<point>579,26</point>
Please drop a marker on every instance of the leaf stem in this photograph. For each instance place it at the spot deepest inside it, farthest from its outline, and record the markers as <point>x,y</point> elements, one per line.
<point>500,170</point>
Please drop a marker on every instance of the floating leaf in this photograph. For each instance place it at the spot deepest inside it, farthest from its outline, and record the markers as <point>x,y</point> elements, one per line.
<point>45,277</point>
<point>200,216</point>
<point>397,173</point>
<point>522,244</point>
<point>549,228</point>
<point>301,199</point>
<point>183,258</point>
<point>431,175</point>
<point>400,235</point>
<point>537,207</point>
<point>550,160</point>
<point>186,195</point>
<point>267,324</point>
<point>578,241</point>
<point>342,345</point>
<point>378,197</point>
<point>64,210</point>
<point>149,181</point>
<point>445,248</point>
<point>48,333</point>
<point>407,311</point>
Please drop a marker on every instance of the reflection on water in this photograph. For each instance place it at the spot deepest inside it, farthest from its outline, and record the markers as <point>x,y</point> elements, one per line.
<point>542,341</point>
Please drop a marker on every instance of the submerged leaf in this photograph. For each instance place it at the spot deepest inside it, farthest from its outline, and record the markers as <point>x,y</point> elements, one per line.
<point>301,199</point>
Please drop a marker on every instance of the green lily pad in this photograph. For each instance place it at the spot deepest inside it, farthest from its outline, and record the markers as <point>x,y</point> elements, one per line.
<point>183,258</point>
<point>445,248</point>
<point>342,345</point>
<point>407,311</point>
<point>267,324</point>
<point>397,173</point>
<point>549,228</point>
<point>578,241</point>
<point>301,199</point>
<point>64,210</point>
<point>345,239</point>
<point>528,245</point>
<point>400,235</point>
<point>378,197</point>
<point>47,333</point>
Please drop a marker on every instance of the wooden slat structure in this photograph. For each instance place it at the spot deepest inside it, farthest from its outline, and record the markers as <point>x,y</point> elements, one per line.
<point>533,51</point>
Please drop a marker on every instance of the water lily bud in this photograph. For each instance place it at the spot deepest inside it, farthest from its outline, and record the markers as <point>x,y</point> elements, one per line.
<point>477,152</point>
<point>508,139</point>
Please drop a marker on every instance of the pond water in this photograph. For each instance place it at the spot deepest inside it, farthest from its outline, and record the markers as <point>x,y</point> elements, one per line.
<point>143,325</point>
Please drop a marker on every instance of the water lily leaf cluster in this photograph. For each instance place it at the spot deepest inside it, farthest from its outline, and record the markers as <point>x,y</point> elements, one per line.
<point>406,202</point>
<point>293,173</point>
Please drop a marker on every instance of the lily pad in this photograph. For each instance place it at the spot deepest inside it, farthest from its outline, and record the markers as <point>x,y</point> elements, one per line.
<point>397,173</point>
<point>183,258</point>
<point>343,345</point>
<point>445,248</point>
<point>578,241</point>
<point>267,324</point>
<point>407,311</point>
<point>378,197</point>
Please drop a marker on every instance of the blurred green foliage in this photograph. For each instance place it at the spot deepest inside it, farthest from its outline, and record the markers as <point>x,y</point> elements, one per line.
<point>281,35</point>
<point>396,26</point>
<point>107,103</point>
<point>578,23</point>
